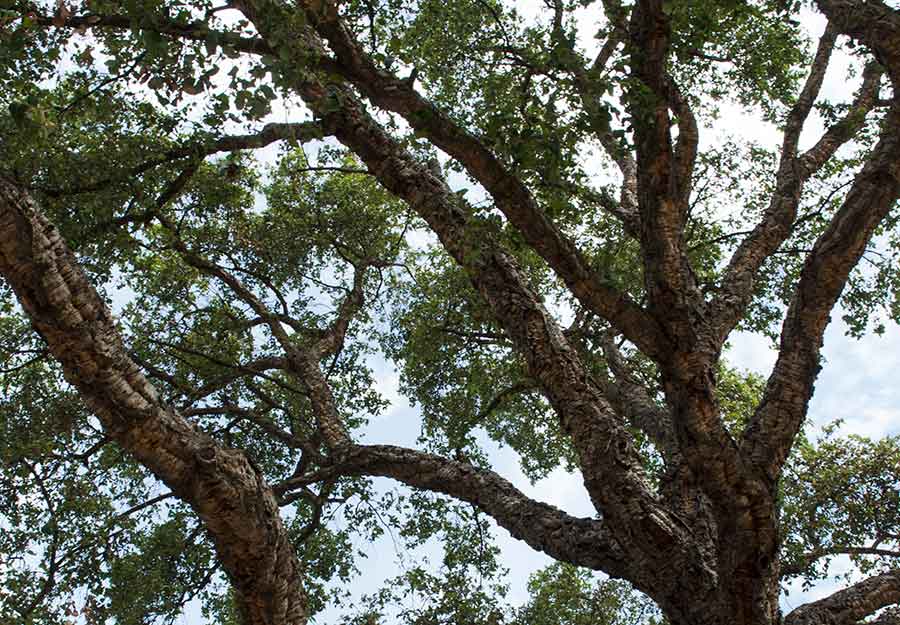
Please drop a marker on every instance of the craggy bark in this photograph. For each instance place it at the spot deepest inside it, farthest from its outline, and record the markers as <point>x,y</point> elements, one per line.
<point>872,22</point>
<point>734,295</point>
<point>511,195</point>
<point>237,507</point>
<point>852,604</point>
<point>585,542</point>
<point>891,616</point>
<point>633,400</point>
<point>770,434</point>
<point>671,287</point>
<point>713,490</point>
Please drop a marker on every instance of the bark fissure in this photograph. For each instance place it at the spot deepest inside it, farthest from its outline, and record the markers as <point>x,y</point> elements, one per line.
<point>613,475</point>
<point>585,542</point>
<point>852,604</point>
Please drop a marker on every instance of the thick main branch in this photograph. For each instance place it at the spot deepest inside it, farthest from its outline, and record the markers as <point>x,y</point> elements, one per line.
<point>584,542</point>
<point>613,471</point>
<point>852,604</point>
<point>231,497</point>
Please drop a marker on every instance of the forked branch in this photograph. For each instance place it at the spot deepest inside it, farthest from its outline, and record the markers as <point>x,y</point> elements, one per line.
<point>770,433</point>
<point>508,191</point>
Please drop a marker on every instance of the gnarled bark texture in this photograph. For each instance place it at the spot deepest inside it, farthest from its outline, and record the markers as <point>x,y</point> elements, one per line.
<point>237,507</point>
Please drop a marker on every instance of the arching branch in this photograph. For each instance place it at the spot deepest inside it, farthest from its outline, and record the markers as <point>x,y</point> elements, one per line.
<point>808,558</point>
<point>508,191</point>
<point>613,473</point>
<point>736,291</point>
<point>584,542</point>
<point>199,149</point>
<point>846,607</point>
<point>162,25</point>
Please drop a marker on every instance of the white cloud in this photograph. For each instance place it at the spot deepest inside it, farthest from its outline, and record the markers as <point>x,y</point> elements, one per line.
<point>751,351</point>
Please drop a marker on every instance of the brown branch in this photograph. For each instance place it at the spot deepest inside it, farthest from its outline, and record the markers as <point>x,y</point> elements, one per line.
<point>105,535</point>
<point>104,83</point>
<point>736,290</point>
<point>688,138</point>
<point>254,368</point>
<point>482,338</point>
<point>634,401</point>
<point>509,193</point>
<point>585,542</point>
<point>598,116</point>
<point>159,374</point>
<point>699,54</point>
<point>798,114</point>
<point>589,88</point>
<point>590,91</point>
<point>241,370</point>
<point>891,616</point>
<point>143,505</point>
<point>177,186</point>
<point>42,354</point>
<point>852,604</point>
<point>510,391</point>
<point>226,491</point>
<point>688,376</point>
<point>303,363</point>
<point>844,129</point>
<point>395,94</point>
<point>771,431</point>
<point>872,22</point>
<point>332,339</point>
<point>808,558</point>
<point>613,471</point>
<point>199,149</point>
<point>162,25</point>
<point>52,556</point>
<point>316,521</point>
<point>671,288</point>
